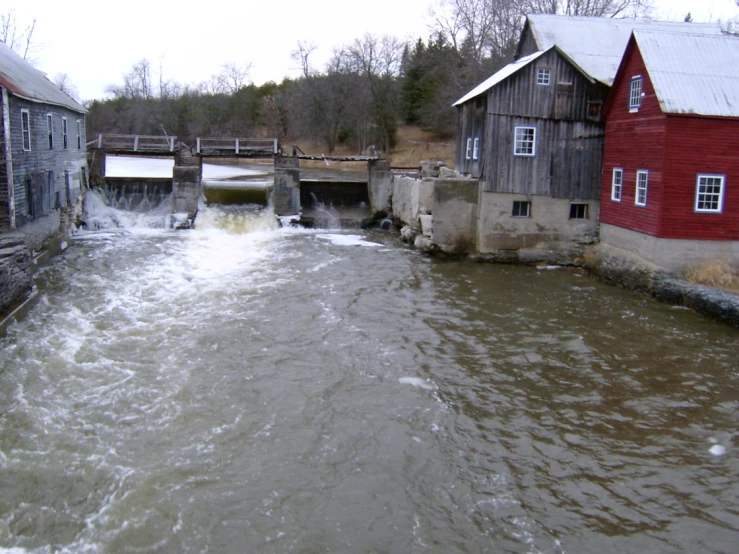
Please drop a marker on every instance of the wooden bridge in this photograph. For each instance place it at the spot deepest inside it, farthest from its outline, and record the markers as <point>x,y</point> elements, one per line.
<point>166,145</point>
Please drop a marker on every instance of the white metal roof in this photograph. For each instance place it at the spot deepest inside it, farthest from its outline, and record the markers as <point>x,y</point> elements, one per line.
<point>692,74</point>
<point>597,44</point>
<point>24,80</point>
<point>498,77</point>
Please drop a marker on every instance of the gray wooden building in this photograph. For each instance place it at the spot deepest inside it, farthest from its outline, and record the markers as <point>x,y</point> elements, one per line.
<point>43,155</point>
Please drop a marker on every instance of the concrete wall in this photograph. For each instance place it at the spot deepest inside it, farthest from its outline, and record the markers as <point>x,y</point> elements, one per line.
<point>380,185</point>
<point>412,198</point>
<point>549,222</point>
<point>286,193</point>
<point>674,255</point>
<point>187,176</point>
<point>455,215</point>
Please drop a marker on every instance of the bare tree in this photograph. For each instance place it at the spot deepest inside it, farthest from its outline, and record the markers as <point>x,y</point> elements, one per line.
<point>65,84</point>
<point>378,61</point>
<point>231,78</point>
<point>592,8</point>
<point>17,38</point>
<point>137,82</point>
<point>302,54</point>
<point>490,28</point>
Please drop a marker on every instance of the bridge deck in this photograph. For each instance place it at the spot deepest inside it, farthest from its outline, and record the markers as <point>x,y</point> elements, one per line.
<point>208,147</point>
<point>321,157</point>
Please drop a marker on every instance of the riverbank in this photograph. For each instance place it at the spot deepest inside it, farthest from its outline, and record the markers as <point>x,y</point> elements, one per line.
<point>623,269</point>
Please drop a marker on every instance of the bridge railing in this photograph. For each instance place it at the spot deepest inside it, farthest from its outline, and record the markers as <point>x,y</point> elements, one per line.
<point>137,143</point>
<point>242,146</point>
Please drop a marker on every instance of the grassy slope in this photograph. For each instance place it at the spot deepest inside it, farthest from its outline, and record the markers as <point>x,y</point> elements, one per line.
<point>414,145</point>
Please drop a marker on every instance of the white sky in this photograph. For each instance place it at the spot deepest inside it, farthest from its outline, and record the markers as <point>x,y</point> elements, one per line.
<point>96,42</point>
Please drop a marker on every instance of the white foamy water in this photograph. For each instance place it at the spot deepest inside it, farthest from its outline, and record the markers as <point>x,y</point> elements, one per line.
<point>417,382</point>
<point>100,216</point>
<point>347,240</point>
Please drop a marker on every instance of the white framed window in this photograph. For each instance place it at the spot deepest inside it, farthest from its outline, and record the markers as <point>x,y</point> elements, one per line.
<point>642,183</point>
<point>617,183</point>
<point>26,129</point>
<point>543,76</point>
<point>524,141</point>
<point>709,193</point>
<point>50,130</point>
<point>468,156</point>
<point>635,91</point>
<point>79,134</point>
<point>65,134</point>
<point>476,149</point>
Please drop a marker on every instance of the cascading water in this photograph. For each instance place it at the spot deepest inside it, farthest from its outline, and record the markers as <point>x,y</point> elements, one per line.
<point>100,214</point>
<point>324,217</point>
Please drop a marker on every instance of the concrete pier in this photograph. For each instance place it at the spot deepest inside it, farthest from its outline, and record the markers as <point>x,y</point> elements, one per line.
<point>380,185</point>
<point>187,176</point>
<point>286,193</point>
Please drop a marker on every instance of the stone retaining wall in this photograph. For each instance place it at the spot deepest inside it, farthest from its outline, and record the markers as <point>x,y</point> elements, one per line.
<point>15,270</point>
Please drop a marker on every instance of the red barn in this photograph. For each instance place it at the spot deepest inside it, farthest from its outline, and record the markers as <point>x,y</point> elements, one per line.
<point>670,186</point>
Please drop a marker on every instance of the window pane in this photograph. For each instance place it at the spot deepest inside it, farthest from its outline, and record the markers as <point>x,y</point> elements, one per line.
<point>524,140</point>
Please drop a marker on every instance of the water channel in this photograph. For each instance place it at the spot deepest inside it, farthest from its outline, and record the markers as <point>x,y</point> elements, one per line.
<point>243,387</point>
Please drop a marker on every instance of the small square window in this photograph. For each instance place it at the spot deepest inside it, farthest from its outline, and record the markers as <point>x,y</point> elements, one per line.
<point>524,141</point>
<point>617,184</point>
<point>709,194</point>
<point>521,209</point>
<point>593,111</point>
<point>578,211</point>
<point>642,182</point>
<point>543,76</point>
<point>635,92</point>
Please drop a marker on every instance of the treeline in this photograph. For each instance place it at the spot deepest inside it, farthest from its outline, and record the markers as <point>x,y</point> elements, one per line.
<point>359,98</point>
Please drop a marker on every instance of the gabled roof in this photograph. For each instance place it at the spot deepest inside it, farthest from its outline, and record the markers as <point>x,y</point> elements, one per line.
<point>497,77</point>
<point>597,44</point>
<point>692,74</point>
<point>513,67</point>
<point>22,79</point>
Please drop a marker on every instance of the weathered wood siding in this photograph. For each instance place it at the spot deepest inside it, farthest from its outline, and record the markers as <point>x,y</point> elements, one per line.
<point>471,125</point>
<point>5,200</point>
<point>565,97</point>
<point>527,45</point>
<point>45,179</point>
<point>567,163</point>
<point>635,140</point>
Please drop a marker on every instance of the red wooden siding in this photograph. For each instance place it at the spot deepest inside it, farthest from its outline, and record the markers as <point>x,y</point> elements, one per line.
<point>634,141</point>
<point>674,149</point>
<point>700,145</point>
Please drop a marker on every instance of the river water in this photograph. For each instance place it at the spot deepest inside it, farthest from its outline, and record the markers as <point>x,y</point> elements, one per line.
<point>248,388</point>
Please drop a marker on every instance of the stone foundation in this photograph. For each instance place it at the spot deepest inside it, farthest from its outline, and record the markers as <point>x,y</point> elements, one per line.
<point>15,270</point>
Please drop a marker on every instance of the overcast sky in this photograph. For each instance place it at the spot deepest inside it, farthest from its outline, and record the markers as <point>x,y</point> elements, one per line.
<point>96,42</point>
